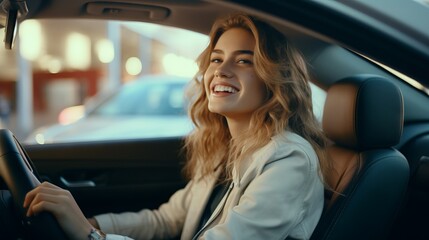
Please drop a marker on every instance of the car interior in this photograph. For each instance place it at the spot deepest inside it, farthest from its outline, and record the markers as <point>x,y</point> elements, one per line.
<point>376,118</point>
<point>368,172</point>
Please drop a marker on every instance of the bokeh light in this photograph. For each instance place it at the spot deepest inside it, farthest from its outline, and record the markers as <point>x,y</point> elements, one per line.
<point>78,51</point>
<point>31,39</point>
<point>133,66</point>
<point>178,65</point>
<point>105,51</point>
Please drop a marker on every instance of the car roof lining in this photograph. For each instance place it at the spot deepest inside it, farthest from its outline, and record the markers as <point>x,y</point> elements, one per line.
<point>206,13</point>
<point>165,12</point>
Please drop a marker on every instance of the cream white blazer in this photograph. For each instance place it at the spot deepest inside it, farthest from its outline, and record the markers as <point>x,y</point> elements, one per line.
<point>276,193</point>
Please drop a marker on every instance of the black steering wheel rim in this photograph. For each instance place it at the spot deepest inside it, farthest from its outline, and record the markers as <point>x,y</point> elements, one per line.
<point>20,176</point>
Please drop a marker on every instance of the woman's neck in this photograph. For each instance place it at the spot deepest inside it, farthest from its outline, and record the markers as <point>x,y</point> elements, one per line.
<point>238,126</point>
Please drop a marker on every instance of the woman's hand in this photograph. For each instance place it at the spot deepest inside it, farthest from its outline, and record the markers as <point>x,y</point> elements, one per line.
<point>59,202</point>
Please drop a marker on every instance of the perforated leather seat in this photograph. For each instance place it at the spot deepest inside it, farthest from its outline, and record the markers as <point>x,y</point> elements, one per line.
<point>363,117</point>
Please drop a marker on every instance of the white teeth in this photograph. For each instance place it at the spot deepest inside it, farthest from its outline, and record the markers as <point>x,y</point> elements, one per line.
<point>222,88</point>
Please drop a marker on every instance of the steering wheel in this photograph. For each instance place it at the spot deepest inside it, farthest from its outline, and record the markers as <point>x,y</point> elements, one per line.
<point>20,176</point>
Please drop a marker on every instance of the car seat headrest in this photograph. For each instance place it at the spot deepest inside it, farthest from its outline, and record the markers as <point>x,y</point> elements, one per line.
<point>364,112</point>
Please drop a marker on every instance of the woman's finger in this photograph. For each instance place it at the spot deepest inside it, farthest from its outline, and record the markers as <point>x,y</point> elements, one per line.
<point>44,187</point>
<point>41,207</point>
<point>60,197</point>
<point>50,198</point>
<point>40,198</point>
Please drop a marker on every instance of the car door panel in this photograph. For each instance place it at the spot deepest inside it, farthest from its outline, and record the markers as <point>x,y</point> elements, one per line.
<point>113,176</point>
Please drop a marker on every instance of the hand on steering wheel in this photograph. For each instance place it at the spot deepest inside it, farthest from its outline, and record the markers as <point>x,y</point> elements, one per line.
<point>59,202</point>
<point>20,177</point>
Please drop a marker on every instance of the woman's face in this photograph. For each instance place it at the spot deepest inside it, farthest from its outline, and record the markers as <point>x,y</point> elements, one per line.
<point>232,86</point>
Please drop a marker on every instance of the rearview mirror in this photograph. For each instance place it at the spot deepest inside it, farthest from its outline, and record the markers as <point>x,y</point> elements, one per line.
<point>10,12</point>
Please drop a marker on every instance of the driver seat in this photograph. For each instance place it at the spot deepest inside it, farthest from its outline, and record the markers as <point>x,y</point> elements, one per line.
<point>363,117</point>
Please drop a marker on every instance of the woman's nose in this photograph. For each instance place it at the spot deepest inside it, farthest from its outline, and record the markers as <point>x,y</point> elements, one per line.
<point>223,71</point>
<point>221,74</point>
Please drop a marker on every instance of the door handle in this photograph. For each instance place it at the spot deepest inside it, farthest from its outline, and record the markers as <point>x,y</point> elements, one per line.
<point>77,184</point>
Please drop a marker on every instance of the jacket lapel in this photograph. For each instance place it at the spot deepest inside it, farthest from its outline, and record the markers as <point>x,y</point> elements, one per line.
<point>201,194</point>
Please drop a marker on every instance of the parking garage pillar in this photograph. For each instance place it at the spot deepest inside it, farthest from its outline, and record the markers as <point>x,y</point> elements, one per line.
<point>24,97</point>
<point>115,74</point>
<point>145,54</point>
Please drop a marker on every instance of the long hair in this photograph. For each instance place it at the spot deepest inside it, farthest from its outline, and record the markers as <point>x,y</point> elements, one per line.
<point>288,105</point>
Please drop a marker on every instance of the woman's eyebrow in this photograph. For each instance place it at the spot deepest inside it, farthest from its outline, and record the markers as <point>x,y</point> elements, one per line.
<point>217,51</point>
<point>249,52</point>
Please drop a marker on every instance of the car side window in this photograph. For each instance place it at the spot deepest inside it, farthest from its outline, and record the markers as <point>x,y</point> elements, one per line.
<point>113,88</point>
<point>318,97</point>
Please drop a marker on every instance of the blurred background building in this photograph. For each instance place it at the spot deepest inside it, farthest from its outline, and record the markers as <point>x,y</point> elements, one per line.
<point>82,58</point>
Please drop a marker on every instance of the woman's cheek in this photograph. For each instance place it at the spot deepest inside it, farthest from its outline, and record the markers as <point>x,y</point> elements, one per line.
<point>207,78</point>
<point>209,72</point>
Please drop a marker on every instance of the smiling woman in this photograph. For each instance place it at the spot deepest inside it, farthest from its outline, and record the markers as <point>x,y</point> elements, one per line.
<point>131,179</point>
<point>253,128</point>
<point>233,87</point>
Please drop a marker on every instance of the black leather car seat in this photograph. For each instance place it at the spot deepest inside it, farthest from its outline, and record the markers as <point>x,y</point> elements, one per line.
<point>363,117</point>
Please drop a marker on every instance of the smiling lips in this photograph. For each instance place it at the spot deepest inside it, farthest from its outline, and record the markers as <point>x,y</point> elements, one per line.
<point>220,89</point>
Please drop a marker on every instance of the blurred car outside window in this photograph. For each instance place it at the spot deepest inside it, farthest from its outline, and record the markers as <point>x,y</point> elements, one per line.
<point>150,107</point>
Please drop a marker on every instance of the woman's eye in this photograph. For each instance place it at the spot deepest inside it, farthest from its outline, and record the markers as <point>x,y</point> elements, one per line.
<point>244,61</point>
<point>215,60</point>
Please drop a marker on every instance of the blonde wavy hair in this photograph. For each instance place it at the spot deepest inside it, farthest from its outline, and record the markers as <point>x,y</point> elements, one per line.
<point>288,105</point>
